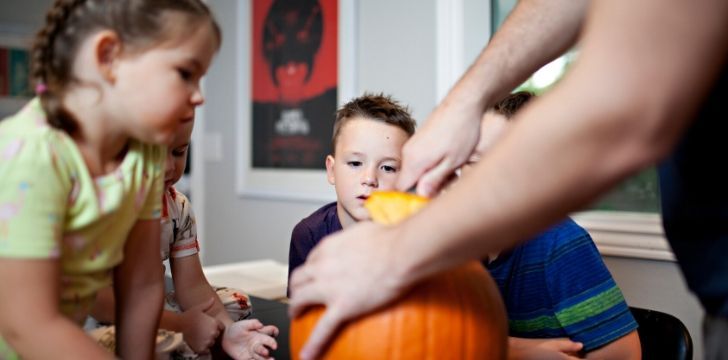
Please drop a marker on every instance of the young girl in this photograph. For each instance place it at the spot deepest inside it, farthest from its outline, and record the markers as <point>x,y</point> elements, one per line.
<point>194,308</point>
<point>82,171</point>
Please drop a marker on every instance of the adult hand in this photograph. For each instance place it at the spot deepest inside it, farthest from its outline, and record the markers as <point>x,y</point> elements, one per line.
<point>249,339</point>
<point>442,145</point>
<point>200,329</point>
<point>351,272</point>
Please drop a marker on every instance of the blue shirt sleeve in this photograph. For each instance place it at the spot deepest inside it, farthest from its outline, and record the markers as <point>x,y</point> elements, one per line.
<point>587,302</point>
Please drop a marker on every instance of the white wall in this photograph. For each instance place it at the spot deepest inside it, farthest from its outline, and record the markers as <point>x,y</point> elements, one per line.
<point>659,285</point>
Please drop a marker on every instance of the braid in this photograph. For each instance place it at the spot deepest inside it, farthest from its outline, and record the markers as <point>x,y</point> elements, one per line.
<point>47,71</point>
<point>137,23</point>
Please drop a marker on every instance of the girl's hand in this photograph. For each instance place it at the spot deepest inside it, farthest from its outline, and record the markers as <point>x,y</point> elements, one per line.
<point>249,339</point>
<point>200,329</point>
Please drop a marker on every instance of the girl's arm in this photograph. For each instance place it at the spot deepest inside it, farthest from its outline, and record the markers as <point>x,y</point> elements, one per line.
<point>139,292</point>
<point>192,288</point>
<point>30,321</point>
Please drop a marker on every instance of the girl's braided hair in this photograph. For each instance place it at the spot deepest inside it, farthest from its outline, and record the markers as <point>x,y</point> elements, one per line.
<point>138,23</point>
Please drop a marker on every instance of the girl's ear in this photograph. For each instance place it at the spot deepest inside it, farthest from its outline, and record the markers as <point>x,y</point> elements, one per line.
<point>330,169</point>
<point>107,52</point>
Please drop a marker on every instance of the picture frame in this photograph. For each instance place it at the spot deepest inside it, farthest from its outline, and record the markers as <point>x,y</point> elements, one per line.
<point>307,185</point>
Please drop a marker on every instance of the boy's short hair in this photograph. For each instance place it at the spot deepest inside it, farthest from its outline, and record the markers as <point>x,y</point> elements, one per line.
<point>510,105</point>
<point>378,107</point>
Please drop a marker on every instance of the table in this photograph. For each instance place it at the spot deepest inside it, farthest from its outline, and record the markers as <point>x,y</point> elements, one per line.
<point>271,312</point>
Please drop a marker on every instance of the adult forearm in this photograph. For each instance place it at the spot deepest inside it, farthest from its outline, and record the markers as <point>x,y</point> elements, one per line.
<point>622,107</point>
<point>536,32</point>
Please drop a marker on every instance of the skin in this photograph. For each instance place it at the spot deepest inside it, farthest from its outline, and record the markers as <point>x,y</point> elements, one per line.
<point>631,120</point>
<point>493,127</point>
<point>368,158</point>
<point>204,317</point>
<point>111,110</point>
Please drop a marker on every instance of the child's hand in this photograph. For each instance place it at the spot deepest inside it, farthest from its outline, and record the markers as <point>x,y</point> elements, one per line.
<point>557,348</point>
<point>200,330</point>
<point>249,339</point>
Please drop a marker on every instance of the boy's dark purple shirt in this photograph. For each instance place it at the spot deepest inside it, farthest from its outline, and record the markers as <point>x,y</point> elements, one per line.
<point>309,231</point>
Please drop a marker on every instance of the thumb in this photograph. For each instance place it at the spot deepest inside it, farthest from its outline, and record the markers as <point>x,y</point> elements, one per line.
<point>412,166</point>
<point>568,346</point>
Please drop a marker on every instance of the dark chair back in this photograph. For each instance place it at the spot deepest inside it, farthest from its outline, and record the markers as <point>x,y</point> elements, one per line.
<point>662,335</point>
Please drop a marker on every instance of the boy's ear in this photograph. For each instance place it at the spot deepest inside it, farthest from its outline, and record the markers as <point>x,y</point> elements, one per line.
<point>330,169</point>
<point>107,51</point>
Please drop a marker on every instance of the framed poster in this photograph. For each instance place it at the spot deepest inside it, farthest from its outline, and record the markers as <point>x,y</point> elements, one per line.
<point>300,62</point>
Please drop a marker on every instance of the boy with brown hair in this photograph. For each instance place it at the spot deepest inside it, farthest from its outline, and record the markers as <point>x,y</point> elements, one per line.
<point>369,132</point>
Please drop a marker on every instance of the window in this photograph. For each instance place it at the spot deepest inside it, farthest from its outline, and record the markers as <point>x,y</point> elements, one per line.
<point>637,194</point>
<point>626,221</point>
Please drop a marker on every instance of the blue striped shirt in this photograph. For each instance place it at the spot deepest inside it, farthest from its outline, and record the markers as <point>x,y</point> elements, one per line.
<point>557,285</point>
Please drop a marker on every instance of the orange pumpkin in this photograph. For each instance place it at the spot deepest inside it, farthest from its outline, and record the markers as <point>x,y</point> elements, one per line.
<point>391,207</point>
<point>456,314</point>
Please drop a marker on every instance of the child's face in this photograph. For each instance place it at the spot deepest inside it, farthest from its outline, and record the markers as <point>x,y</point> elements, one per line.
<point>368,158</point>
<point>492,128</point>
<point>177,154</point>
<point>158,89</point>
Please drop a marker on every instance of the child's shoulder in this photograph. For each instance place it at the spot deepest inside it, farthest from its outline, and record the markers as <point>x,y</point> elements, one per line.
<point>177,198</point>
<point>27,140</point>
<point>322,213</point>
<point>29,123</point>
<point>557,238</point>
<point>324,217</point>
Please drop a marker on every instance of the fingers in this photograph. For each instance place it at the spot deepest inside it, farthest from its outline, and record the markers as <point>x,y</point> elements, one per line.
<point>299,277</point>
<point>413,166</point>
<point>269,330</point>
<point>568,346</point>
<point>304,296</point>
<point>321,334</point>
<point>266,342</point>
<point>432,180</point>
<point>250,324</point>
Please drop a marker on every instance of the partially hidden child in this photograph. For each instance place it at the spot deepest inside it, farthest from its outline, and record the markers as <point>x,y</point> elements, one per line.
<point>201,313</point>
<point>561,300</point>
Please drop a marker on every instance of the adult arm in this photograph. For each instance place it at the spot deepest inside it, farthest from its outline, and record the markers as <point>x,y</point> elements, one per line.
<point>26,305</point>
<point>643,70</point>
<point>536,32</point>
<point>139,292</point>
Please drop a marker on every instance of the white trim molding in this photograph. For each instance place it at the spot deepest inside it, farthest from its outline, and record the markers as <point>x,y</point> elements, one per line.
<point>450,44</point>
<point>627,234</point>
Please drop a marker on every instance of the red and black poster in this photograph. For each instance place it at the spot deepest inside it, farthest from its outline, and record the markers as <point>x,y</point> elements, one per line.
<point>294,82</point>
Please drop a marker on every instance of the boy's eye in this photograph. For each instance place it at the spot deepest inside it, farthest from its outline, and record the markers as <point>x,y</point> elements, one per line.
<point>185,74</point>
<point>389,168</point>
<point>354,163</point>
